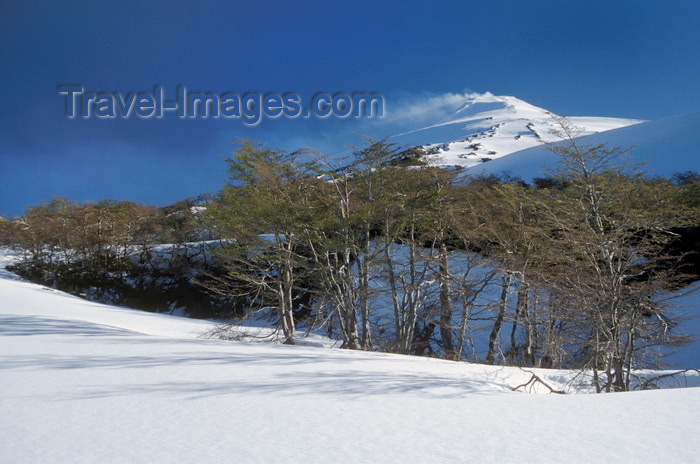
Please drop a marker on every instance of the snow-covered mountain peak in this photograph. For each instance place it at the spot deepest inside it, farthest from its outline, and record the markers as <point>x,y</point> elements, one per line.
<point>482,110</point>
<point>488,126</point>
<point>479,103</point>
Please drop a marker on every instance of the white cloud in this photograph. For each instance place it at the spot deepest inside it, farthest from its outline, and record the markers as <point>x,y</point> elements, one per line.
<point>426,108</point>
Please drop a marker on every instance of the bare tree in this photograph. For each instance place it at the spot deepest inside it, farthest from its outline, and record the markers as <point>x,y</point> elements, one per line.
<point>608,226</point>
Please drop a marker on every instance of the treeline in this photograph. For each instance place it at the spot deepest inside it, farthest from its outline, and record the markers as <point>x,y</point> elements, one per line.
<point>382,255</point>
<point>562,273</point>
<point>118,252</point>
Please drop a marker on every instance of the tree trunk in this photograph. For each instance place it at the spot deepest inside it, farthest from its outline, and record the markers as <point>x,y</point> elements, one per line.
<point>445,304</point>
<point>496,330</point>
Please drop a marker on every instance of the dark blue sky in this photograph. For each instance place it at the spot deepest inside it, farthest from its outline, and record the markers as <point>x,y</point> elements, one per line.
<point>637,59</point>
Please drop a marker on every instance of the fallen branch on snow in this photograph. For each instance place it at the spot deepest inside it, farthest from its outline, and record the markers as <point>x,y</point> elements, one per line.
<point>534,380</point>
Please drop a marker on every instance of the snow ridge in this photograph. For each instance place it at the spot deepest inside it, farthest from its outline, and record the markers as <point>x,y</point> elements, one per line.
<point>665,146</point>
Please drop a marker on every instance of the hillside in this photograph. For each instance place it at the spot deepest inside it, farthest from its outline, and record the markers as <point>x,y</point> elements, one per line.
<point>668,146</point>
<point>84,383</point>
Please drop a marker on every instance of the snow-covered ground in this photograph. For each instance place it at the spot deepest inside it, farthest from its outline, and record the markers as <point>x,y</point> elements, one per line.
<point>667,146</point>
<point>82,382</point>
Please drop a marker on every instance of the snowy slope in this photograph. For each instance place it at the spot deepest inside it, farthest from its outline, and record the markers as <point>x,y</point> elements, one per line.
<point>85,383</point>
<point>667,145</point>
<point>687,306</point>
<point>487,127</point>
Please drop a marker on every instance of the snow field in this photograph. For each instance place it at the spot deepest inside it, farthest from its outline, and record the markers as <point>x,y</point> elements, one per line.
<point>83,383</point>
